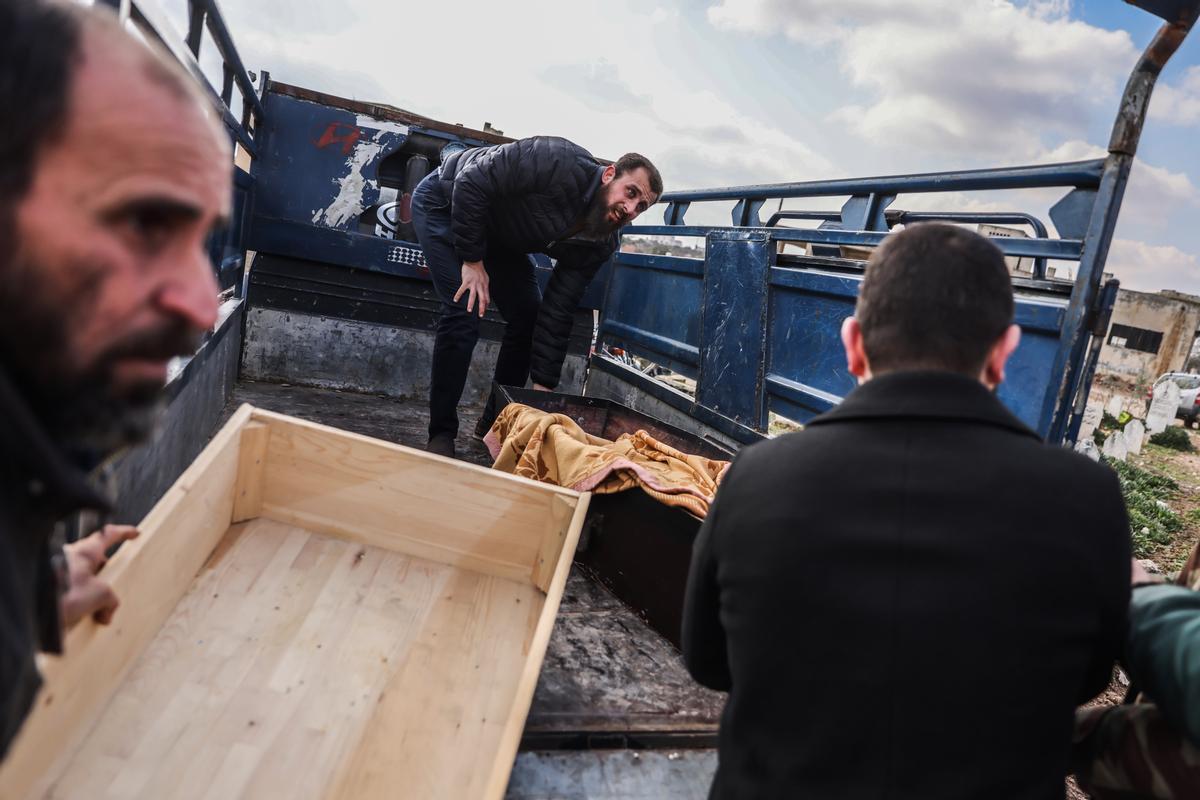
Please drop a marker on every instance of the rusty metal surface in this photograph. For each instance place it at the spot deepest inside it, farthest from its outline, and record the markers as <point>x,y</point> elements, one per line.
<point>386,112</point>
<point>1131,115</point>
<point>608,775</point>
<point>610,681</point>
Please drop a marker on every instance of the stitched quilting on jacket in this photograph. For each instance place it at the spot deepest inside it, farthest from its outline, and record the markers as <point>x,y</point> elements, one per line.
<point>528,196</point>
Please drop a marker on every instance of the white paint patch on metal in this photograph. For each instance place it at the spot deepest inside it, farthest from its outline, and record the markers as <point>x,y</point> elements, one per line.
<point>353,185</point>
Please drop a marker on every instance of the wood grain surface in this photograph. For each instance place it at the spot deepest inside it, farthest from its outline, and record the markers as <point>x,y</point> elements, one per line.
<point>300,665</point>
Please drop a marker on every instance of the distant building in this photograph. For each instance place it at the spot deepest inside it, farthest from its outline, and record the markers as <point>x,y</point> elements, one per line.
<point>1149,334</point>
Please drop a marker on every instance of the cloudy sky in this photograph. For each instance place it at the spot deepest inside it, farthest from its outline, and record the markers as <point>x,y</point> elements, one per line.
<point>721,92</point>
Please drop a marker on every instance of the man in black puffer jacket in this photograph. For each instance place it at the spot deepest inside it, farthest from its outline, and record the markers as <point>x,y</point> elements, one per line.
<point>478,219</point>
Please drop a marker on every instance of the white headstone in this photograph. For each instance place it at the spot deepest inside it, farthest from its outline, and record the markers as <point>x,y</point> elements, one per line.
<point>1162,407</point>
<point>1115,405</point>
<point>1134,433</point>
<point>1114,446</point>
<point>1088,448</point>
<point>1091,420</point>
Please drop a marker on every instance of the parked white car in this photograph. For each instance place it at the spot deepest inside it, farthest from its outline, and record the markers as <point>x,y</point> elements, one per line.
<point>1189,395</point>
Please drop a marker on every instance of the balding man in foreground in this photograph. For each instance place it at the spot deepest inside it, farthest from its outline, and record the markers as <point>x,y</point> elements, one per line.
<point>112,176</point>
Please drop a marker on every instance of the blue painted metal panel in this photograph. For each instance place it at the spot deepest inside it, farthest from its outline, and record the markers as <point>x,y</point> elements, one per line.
<point>376,254</point>
<point>655,314</point>
<point>321,163</point>
<point>733,325</point>
<point>807,367</point>
<point>686,266</point>
<point>804,352</point>
<point>1027,377</point>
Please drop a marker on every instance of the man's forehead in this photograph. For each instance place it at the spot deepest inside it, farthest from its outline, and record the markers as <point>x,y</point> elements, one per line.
<point>123,77</point>
<point>126,126</point>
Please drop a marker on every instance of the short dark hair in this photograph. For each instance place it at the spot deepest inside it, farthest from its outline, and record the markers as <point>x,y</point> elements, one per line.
<point>935,296</point>
<point>40,46</point>
<point>632,161</point>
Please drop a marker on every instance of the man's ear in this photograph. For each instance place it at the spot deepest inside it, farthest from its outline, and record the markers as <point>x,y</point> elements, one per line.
<point>1005,346</point>
<point>856,356</point>
<point>609,173</point>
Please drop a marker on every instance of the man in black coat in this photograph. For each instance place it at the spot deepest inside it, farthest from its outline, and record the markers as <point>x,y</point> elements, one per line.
<point>909,597</point>
<point>112,176</point>
<point>479,216</point>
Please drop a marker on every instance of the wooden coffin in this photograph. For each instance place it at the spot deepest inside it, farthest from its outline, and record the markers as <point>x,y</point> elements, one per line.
<point>309,613</point>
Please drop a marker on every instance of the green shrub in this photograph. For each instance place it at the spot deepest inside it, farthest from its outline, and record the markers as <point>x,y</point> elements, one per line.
<point>1173,438</point>
<point>1150,524</point>
<point>1108,422</point>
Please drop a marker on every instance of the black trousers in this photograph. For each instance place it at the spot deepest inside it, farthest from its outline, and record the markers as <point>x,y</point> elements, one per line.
<point>514,292</point>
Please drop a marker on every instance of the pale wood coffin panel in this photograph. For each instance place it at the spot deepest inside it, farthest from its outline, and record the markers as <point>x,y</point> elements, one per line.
<point>310,613</point>
<point>396,497</point>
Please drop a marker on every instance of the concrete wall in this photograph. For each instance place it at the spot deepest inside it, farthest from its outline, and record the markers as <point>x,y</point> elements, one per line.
<point>1173,314</point>
<point>332,353</point>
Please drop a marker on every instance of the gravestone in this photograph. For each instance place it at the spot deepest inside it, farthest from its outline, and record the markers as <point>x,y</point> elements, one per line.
<point>1115,405</point>
<point>1135,434</point>
<point>1088,448</point>
<point>1091,421</point>
<point>1162,407</point>
<point>1114,446</point>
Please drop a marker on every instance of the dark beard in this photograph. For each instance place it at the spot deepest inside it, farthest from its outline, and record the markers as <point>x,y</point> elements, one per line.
<point>80,409</point>
<point>596,224</point>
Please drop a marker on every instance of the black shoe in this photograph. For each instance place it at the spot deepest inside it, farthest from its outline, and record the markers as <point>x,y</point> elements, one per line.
<point>483,426</point>
<point>441,444</point>
<point>490,412</point>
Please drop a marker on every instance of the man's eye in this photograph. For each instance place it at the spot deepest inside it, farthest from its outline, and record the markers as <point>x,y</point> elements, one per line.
<point>149,228</point>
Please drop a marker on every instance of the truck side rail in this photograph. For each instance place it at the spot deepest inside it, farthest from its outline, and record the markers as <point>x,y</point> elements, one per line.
<point>759,333</point>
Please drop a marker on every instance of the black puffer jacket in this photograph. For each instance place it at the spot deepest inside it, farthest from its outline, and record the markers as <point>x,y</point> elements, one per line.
<point>528,196</point>
<point>38,487</point>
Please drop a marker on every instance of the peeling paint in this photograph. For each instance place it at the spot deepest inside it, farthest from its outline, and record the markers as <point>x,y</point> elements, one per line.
<point>353,186</point>
<point>380,126</point>
<point>349,200</point>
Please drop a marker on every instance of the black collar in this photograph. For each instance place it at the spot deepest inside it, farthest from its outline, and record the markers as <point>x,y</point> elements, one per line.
<point>924,394</point>
<point>34,468</point>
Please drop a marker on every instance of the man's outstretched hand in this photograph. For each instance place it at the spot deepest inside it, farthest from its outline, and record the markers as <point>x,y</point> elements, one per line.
<point>86,593</point>
<point>475,286</point>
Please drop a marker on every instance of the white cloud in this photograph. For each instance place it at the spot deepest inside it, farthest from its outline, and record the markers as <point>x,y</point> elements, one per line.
<point>973,76</point>
<point>589,71</point>
<point>1178,104</point>
<point>927,85</point>
<point>1149,268</point>
<point>1153,193</point>
<point>814,20</point>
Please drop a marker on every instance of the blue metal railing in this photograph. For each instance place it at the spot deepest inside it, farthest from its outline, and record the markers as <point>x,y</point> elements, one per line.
<point>896,217</point>
<point>758,335</point>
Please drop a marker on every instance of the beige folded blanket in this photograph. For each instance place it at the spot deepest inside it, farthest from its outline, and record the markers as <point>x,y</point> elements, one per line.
<point>552,448</point>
